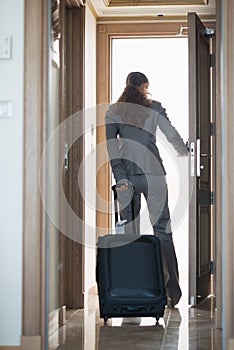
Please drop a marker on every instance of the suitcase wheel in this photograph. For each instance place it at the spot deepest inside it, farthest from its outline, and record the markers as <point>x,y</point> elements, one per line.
<point>105,319</point>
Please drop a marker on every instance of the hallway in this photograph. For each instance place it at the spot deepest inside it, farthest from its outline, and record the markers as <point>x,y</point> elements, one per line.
<point>181,328</point>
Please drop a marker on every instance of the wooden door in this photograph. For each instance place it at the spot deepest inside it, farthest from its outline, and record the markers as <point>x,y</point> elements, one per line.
<point>72,101</point>
<point>200,132</point>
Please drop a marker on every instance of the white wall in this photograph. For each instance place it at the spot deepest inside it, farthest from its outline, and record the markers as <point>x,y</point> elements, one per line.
<point>90,154</point>
<point>11,175</point>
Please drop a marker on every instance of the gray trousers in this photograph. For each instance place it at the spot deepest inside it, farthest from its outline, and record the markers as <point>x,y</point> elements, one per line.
<point>154,189</point>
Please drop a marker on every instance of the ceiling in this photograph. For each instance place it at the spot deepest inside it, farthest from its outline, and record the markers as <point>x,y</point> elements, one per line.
<point>154,2</point>
<point>150,10</point>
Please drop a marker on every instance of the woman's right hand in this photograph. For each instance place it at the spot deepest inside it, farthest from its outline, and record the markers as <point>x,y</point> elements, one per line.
<point>124,185</point>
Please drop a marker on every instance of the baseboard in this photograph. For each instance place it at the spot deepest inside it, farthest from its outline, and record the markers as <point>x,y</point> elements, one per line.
<point>31,342</point>
<point>90,293</point>
<point>62,315</point>
<point>218,319</point>
<point>231,344</point>
<point>53,321</point>
<point>27,343</point>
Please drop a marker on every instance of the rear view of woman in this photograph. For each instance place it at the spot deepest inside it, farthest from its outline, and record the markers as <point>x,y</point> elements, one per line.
<point>131,126</point>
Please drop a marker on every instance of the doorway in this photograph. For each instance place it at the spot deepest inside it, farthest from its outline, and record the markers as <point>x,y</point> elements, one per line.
<point>165,62</point>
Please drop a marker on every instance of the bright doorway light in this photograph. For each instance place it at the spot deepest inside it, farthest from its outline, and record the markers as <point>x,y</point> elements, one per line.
<point>165,62</point>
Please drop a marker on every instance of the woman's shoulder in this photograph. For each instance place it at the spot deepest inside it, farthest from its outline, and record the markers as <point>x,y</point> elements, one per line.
<point>156,105</point>
<point>112,113</point>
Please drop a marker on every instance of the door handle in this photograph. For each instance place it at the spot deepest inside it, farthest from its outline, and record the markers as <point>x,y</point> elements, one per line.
<point>192,157</point>
<point>198,157</point>
<point>205,155</point>
<point>66,162</point>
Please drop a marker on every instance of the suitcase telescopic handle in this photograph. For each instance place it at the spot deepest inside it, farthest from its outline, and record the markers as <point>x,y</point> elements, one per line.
<point>115,203</point>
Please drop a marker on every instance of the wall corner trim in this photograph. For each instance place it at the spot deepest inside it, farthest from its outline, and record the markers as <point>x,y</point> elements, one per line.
<point>31,342</point>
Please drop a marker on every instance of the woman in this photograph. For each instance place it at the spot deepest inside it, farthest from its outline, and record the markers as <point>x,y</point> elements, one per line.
<point>131,126</point>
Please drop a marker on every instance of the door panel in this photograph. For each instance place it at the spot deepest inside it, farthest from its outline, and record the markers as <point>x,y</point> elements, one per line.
<point>72,101</point>
<point>199,134</point>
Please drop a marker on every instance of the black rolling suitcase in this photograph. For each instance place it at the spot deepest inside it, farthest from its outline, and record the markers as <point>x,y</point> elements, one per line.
<point>129,276</point>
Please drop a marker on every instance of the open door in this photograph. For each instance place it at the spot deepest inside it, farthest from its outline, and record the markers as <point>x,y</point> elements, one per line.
<point>71,267</point>
<point>200,132</point>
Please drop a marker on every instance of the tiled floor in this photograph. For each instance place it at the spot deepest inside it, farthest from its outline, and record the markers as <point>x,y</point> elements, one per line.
<point>181,328</point>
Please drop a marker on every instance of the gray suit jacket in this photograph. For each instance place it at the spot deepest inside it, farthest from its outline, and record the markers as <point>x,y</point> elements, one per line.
<point>132,149</point>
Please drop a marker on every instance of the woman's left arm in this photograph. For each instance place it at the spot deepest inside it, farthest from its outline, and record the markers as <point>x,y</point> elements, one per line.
<point>171,133</point>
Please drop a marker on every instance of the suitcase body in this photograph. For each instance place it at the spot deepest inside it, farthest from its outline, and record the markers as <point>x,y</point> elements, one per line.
<point>129,276</point>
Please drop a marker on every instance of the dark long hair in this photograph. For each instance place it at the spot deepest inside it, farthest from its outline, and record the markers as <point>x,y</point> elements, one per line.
<point>132,94</point>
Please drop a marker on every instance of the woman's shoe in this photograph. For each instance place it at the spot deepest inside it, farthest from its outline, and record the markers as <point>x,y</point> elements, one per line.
<point>170,303</point>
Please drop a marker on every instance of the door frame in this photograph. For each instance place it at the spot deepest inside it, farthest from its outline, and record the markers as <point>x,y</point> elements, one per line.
<point>34,231</point>
<point>105,33</point>
<point>224,172</point>
<point>200,203</point>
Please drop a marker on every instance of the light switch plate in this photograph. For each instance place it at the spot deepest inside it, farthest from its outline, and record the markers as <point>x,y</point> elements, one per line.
<point>5,47</point>
<point>6,109</point>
